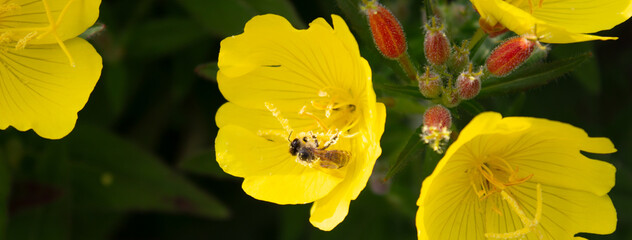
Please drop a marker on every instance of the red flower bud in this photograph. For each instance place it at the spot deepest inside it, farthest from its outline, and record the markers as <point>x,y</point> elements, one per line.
<point>436,44</point>
<point>430,84</point>
<point>509,55</point>
<point>468,84</point>
<point>437,116</point>
<point>388,34</point>
<point>450,98</point>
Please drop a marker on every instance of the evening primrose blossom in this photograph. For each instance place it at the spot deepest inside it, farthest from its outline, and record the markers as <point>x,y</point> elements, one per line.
<point>294,94</point>
<point>46,73</point>
<point>518,178</point>
<point>562,21</point>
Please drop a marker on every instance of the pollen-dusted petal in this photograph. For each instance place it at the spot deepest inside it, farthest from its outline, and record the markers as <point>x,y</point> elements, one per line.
<point>40,90</point>
<point>257,119</point>
<point>580,16</point>
<point>270,171</point>
<point>273,62</point>
<point>78,16</point>
<point>328,212</point>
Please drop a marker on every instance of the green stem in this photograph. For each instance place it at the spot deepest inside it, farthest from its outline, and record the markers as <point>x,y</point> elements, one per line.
<point>408,67</point>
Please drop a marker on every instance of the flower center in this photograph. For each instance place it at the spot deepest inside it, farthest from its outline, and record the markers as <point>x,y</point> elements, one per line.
<point>495,175</point>
<point>11,35</point>
<point>334,109</point>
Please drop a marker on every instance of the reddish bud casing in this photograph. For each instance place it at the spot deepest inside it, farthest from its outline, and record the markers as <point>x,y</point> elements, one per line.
<point>388,34</point>
<point>438,116</point>
<point>509,55</point>
<point>430,84</point>
<point>436,44</point>
<point>468,86</point>
<point>492,31</point>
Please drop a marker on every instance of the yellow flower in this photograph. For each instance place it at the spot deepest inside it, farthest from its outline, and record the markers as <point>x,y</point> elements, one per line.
<point>518,178</point>
<point>46,72</point>
<point>561,21</point>
<point>310,87</point>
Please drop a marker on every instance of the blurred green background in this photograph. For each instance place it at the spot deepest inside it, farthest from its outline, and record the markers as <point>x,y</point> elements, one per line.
<point>140,162</point>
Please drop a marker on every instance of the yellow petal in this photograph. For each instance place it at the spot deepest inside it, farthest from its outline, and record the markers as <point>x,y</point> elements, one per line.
<point>77,16</point>
<point>40,90</point>
<point>270,171</point>
<point>328,212</point>
<point>260,119</point>
<point>581,16</point>
<point>566,212</point>
<point>273,62</point>
<point>522,22</point>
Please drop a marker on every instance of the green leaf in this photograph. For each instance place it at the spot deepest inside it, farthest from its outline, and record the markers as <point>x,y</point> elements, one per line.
<point>207,71</point>
<point>225,18</point>
<point>406,90</point>
<point>41,197</point>
<point>5,189</point>
<point>110,173</point>
<point>165,36</point>
<point>204,164</point>
<point>532,76</point>
<point>414,149</point>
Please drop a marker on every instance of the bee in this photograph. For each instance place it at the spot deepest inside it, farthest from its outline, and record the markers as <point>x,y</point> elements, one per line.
<point>308,151</point>
<point>306,148</point>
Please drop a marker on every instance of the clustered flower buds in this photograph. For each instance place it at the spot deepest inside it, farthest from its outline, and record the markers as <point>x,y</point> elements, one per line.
<point>436,128</point>
<point>430,84</point>
<point>436,44</point>
<point>387,32</point>
<point>509,55</point>
<point>468,84</point>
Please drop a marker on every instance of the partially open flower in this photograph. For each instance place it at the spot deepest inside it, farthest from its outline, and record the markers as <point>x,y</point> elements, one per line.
<point>302,124</point>
<point>436,128</point>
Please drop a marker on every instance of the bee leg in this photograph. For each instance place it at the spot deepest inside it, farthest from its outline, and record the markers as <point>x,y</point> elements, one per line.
<point>331,141</point>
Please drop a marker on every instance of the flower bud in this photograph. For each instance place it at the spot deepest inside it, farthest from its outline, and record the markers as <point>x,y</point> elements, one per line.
<point>468,84</point>
<point>437,116</point>
<point>436,128</point>
<point>461,57</point>
<point>450,97</point>
<point>436,44</point>
<point>388,34</point>
<point>509,55</point>
<point>430,84</point>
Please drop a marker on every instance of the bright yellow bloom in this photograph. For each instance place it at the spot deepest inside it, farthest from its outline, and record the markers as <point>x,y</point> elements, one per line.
<point>284,84</point>
<point>46,72</point>
<point>518,178</point>
<point>554,21</point>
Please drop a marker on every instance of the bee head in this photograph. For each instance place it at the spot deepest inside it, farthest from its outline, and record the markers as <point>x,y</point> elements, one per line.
<point>294,146</point>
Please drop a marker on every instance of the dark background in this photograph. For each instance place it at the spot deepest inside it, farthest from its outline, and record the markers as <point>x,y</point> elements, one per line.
<point>140,162</point>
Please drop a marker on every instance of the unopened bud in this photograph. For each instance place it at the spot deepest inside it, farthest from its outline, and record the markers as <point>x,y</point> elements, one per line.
<point>436,128</point>
<point>509,55</point>
<point>450,97</point>
<point>461,57</point>
<point>436,44</point>
<point>468,84</point>
<point>388,34</point>
<point>430,84</point>
<point>492,31</point>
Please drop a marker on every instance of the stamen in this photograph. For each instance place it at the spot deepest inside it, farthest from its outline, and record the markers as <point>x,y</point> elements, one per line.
<point>9,7</point>
<point>22,42</point>
<point>435,137</point>
<point>277,114</point>
<point>5,37</point>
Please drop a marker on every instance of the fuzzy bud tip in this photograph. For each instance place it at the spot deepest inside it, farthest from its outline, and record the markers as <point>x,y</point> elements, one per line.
<point>509,55</point>
<point>386,30</point>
